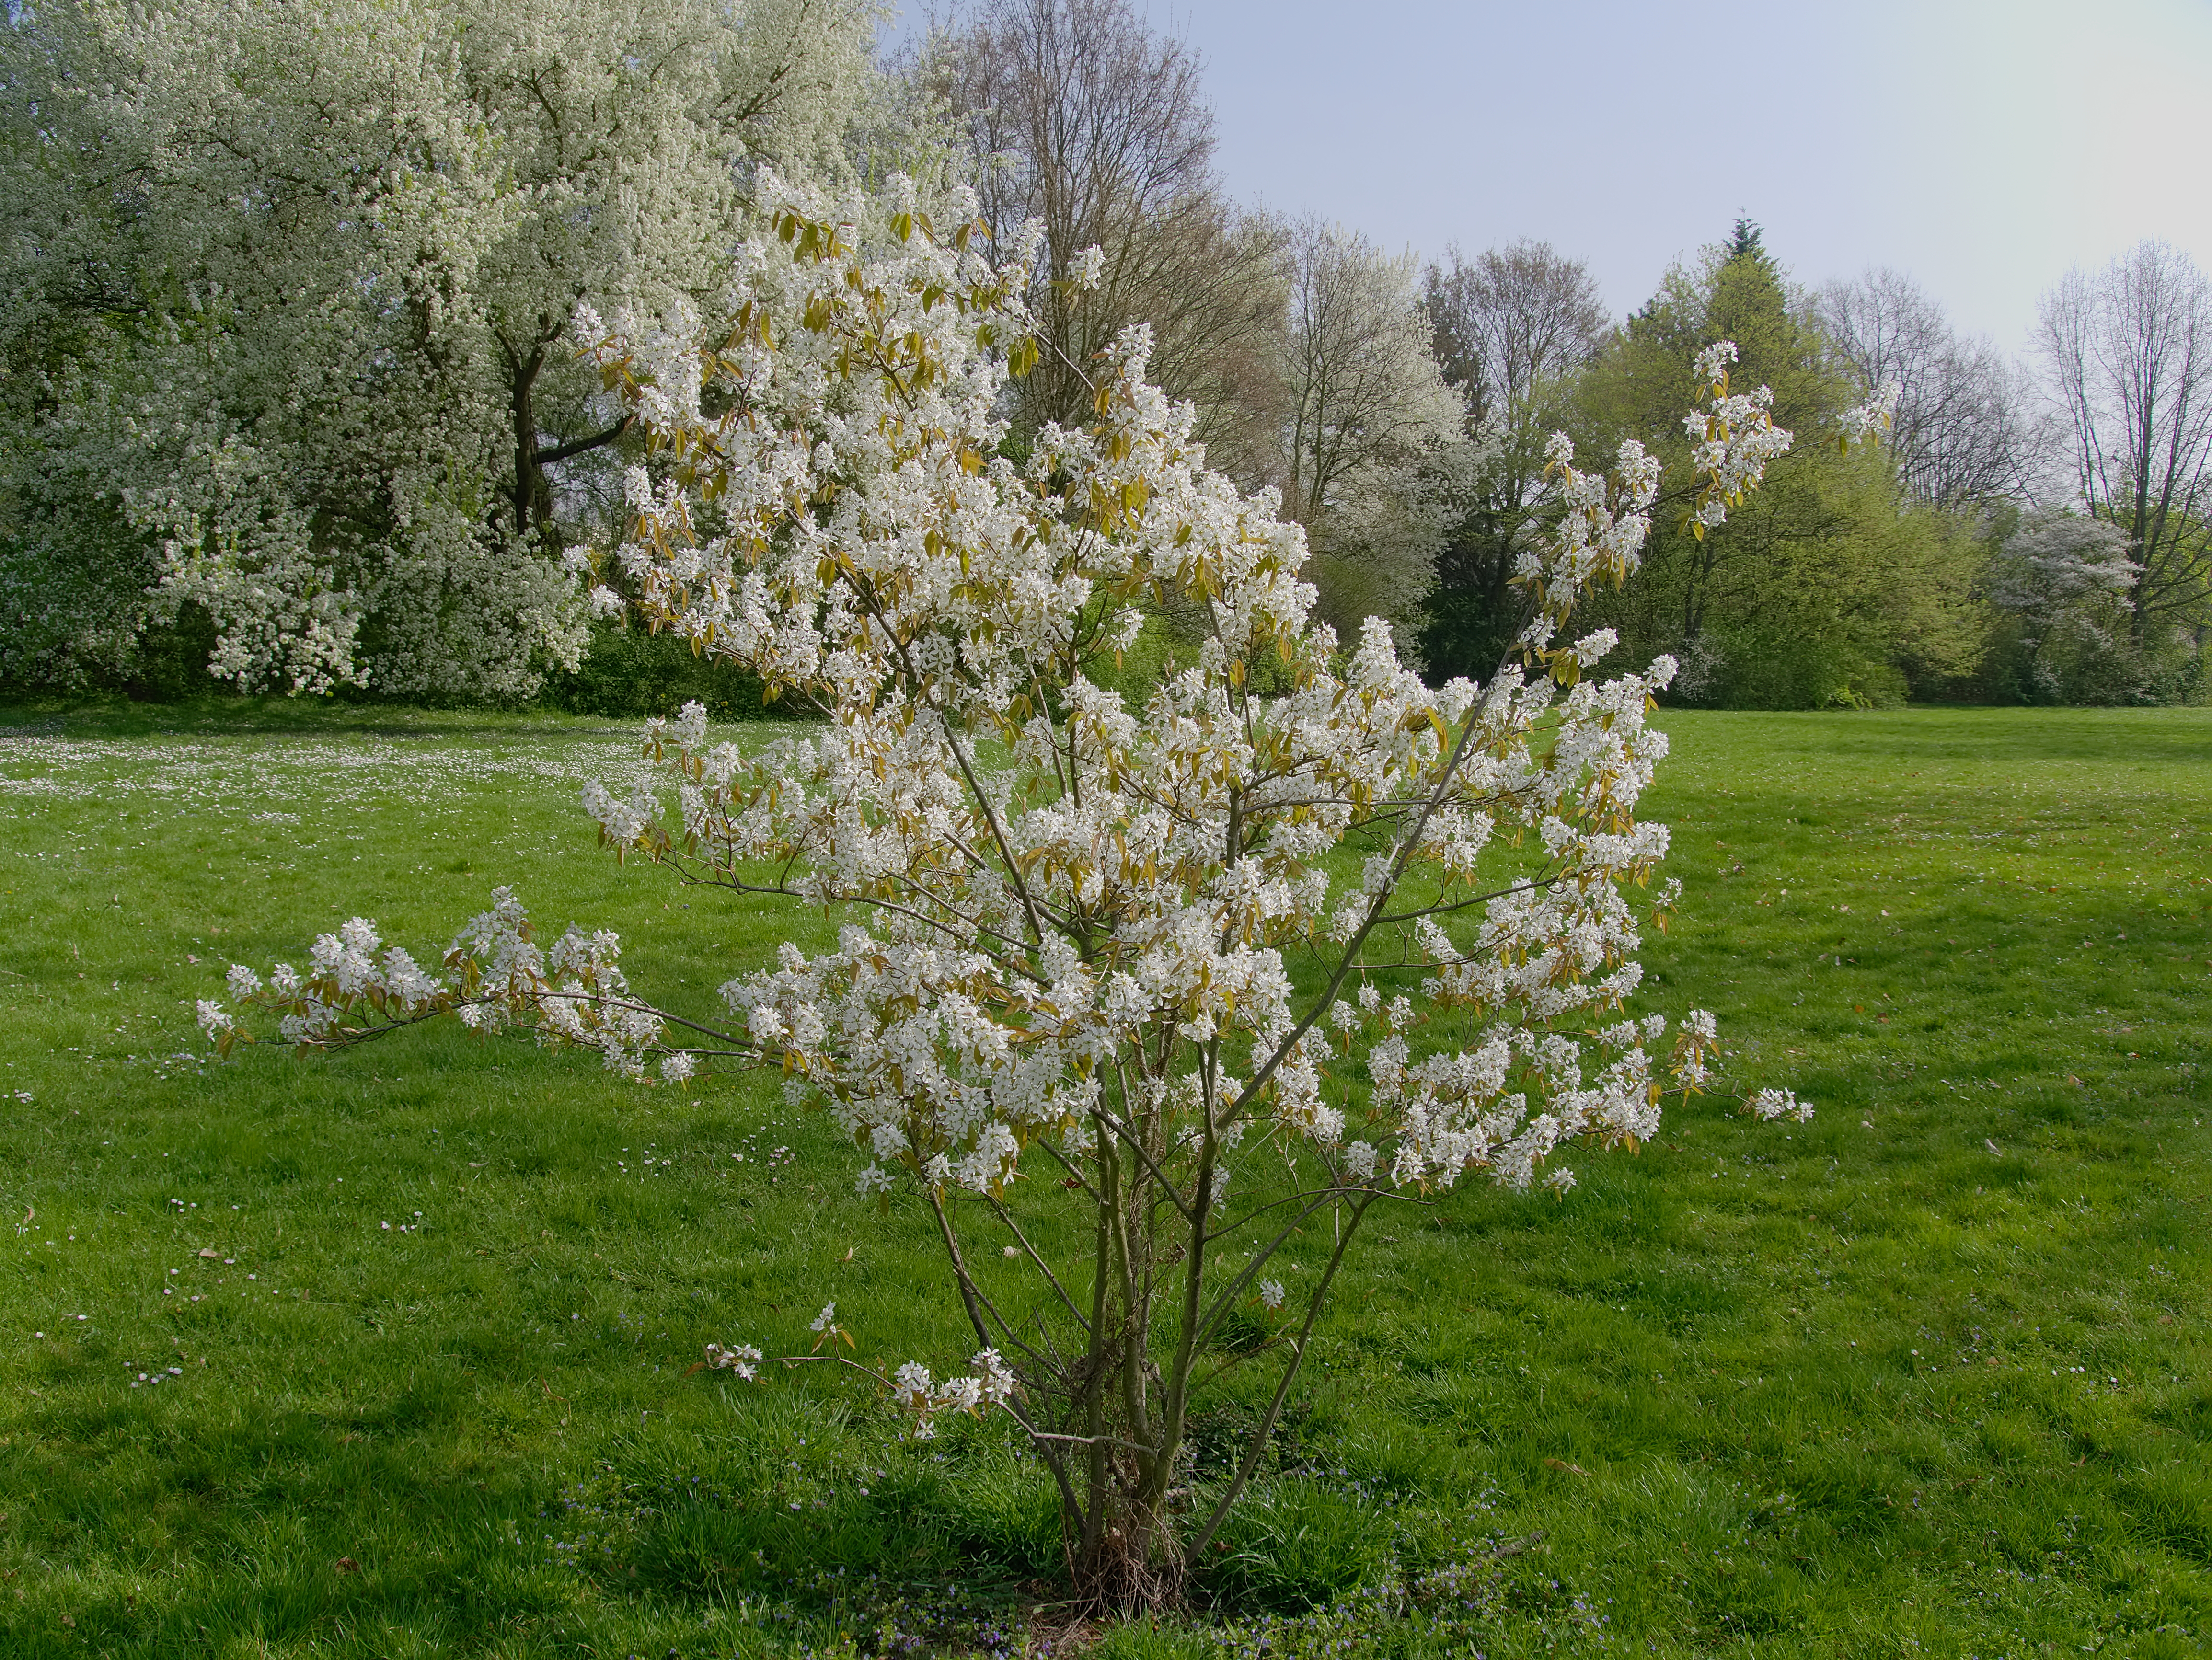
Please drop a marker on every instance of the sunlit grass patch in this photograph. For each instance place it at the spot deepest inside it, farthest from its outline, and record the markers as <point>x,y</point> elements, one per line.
<point>1929,1370</point>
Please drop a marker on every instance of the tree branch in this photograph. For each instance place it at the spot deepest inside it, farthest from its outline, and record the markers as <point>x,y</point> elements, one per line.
<point>577,446</point>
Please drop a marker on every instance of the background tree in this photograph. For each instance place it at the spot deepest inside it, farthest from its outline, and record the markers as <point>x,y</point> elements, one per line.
<point>1509,324</point>
<point>1512,329</point>
<point>1827,589</point>
<point>2059,585</point>
<point>1365,413</point>
<point>2129,354</point>
<point>1966,433</point>
<point>288,293</point>
<point>1079,117</point>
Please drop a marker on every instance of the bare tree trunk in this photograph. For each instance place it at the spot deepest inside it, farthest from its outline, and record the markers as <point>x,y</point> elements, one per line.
<point>530,493</point>
<point>530,496</point>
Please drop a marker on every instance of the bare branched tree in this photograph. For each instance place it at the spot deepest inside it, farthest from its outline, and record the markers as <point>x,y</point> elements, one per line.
<point>1511,323</point>
<point>2129,350</point>
<point>1965,432</point>
<point>1081,118</point>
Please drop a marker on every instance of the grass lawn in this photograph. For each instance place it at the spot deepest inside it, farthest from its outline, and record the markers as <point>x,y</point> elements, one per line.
<point>386,1354</point>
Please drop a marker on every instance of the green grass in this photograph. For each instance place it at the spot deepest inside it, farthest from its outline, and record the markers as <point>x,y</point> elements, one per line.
<point>1927,1375</point>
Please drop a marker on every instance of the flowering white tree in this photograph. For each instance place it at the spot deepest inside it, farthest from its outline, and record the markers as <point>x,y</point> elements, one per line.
<point>1368,425</point>
<point>2066,578</point>
<point>1213,966</point>
<point>288,290</point>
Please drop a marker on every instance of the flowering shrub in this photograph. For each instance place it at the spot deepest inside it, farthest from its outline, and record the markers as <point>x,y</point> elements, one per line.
<point>1214,966</point>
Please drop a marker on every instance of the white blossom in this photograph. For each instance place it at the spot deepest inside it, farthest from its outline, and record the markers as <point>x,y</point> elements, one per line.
<point>743,1359</point>
<point>1772,1103</point>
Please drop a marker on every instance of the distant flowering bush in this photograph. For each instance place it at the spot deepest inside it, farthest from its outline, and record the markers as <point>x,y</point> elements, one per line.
<point>1300,934</point>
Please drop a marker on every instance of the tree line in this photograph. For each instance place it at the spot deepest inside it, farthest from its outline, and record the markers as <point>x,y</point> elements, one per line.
<point>293,397</point>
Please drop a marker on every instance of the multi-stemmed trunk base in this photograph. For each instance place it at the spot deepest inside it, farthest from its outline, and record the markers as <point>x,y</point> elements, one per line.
<point>1132,1568</point>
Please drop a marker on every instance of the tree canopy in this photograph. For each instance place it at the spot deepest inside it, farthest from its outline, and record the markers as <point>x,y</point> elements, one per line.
<point>288,292</point>
<point>1833,582</point>
<point>292,395</point>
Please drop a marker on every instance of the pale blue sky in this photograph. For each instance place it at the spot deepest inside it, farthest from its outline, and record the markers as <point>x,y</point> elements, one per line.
<point>1982,146</point>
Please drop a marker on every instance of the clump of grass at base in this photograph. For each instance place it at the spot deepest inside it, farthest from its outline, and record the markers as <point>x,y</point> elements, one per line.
<point>1929,1370</point>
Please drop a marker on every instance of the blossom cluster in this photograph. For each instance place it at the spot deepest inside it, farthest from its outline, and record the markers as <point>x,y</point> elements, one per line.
<point>1732,438</point>
<point>829,503</point>
<point>355,986</point>
<point>913,1392</point>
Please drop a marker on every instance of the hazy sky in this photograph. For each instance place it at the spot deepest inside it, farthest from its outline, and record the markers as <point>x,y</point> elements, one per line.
<point>1983,146</point>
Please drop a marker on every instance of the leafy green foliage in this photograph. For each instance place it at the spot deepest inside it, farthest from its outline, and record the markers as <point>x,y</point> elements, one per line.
<point>631,671</point>
<point>1830,587</point>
